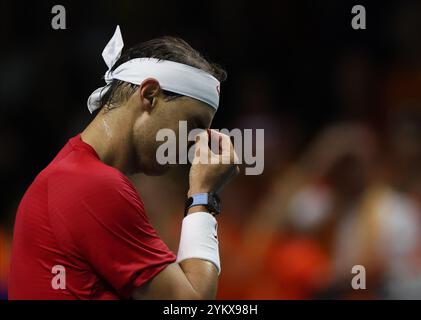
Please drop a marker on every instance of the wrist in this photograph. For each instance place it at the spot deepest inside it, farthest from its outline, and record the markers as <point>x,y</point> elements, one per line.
<point>202,202</point>
<point>194,209</point>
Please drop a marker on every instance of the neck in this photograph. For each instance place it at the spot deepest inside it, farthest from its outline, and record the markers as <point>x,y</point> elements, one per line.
<point>111,137</point>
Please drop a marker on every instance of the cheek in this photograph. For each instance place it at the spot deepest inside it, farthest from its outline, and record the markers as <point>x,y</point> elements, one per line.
<point>142,141</point>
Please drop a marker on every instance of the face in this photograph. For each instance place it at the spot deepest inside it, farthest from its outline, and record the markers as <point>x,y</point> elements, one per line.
<point>166,113</point>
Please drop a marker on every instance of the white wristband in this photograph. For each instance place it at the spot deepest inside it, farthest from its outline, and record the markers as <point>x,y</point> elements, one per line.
<point>199,239</point>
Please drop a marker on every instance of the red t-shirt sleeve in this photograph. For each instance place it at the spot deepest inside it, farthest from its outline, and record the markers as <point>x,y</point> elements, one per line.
<point>112,232</point>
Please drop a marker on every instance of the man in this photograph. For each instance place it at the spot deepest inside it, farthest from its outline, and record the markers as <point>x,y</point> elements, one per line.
<point>81,231</point>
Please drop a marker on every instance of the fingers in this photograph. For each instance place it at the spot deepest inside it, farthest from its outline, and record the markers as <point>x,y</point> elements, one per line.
<point>227,152</point>
<point>207,144</point>
<point>202,139</point>
<point>214,163</point>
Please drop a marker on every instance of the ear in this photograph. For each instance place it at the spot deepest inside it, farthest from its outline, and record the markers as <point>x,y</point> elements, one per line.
<point>149,89</point>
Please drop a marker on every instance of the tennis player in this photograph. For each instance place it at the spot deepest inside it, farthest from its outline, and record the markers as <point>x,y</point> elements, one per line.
<point>81,230</point>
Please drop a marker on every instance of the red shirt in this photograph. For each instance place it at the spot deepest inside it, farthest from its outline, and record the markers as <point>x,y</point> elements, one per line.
<point>86,216</point>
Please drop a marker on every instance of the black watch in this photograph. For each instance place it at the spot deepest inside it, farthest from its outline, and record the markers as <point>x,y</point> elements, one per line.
<point>209,200</point>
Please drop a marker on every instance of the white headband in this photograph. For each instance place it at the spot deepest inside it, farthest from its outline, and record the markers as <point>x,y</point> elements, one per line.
<point>172,76</point>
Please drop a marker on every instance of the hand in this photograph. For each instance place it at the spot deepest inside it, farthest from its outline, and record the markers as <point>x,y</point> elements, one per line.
<point>210,171</point>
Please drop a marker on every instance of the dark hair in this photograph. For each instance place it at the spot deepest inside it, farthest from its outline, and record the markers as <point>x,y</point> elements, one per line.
<point>164,48</point>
